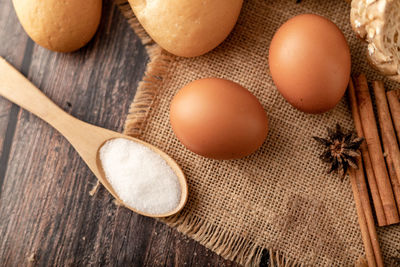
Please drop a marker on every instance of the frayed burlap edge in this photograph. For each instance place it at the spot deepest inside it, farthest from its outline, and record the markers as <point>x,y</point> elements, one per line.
<point>146,92</point>
<point>152,79</point>
<point>226,244</point>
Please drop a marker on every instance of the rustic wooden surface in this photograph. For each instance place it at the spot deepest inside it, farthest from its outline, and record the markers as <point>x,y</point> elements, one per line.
<point>47,215</point>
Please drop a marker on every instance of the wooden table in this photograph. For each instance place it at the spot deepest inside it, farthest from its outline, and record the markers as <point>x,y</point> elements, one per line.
<point>47,216</point>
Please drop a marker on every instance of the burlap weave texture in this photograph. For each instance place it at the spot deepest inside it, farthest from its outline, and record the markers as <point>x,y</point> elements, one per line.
<point>279,198</point>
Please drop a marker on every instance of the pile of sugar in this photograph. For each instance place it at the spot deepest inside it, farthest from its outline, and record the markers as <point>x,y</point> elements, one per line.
<point>141,178</point>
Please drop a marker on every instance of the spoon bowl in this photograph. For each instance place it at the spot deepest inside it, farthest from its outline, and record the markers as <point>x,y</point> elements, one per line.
<point>171,163</point>
<point>87,139</point>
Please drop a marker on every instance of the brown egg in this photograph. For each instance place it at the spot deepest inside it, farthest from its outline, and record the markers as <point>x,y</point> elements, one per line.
<point>309,60</point>
<point>219,119</point>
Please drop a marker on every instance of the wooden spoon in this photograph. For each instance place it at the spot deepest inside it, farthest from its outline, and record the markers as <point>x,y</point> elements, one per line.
<point>87,139</point>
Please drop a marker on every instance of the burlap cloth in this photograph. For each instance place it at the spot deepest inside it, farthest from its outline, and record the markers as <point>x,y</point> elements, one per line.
<point>280,198</point>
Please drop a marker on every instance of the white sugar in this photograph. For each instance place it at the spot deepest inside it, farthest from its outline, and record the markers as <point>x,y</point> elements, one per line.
<point>140,177</point>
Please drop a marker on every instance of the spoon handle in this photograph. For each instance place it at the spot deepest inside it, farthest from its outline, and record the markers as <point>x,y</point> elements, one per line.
<point>16,88</point>
<point>84,137</point>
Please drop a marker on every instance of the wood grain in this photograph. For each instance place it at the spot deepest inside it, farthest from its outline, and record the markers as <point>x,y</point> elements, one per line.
<point>48,216</point>
<point>14,49</point>
<point>86,138</point>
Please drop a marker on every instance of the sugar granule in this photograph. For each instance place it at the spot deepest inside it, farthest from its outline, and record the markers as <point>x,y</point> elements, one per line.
<point>141,178</point>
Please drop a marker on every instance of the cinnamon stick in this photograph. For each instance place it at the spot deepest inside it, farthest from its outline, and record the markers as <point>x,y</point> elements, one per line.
<point>387,131</point>
<point>361,196</point>
<point>366,207</point>
<point>394,103</point>
<point>362,221</point>
<point>394,180</point>
<point>374,146</point>
<point>376,199</point>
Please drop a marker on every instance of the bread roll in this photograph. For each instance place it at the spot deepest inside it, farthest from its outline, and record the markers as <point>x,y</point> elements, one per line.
<point>378,23</point>
<point>187,28</point>
<point>61,26</point>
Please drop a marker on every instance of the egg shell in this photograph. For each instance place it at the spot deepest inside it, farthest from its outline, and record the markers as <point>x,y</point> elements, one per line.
<point>61,26</point>
<point>218,119</point>
<point>309,61</point>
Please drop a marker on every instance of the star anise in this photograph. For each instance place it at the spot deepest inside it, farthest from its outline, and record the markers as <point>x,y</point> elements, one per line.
<point>341,150</point>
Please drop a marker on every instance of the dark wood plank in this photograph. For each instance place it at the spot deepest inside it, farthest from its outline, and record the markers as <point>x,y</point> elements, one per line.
<point>98,95</point>
<point>13,48</point>
<point>47,215</point>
